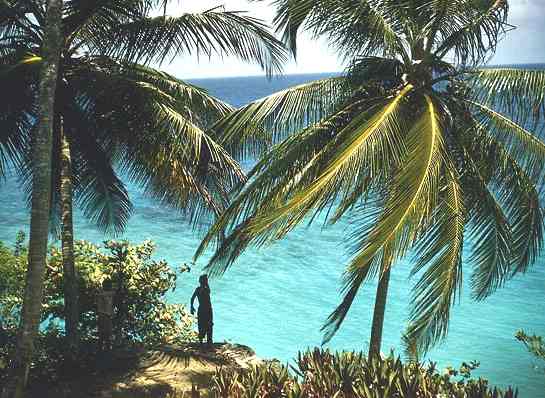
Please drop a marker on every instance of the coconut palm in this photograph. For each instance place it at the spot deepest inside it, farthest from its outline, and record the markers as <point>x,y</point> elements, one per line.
<point>41,161</point>
<point>112,111</point>
<point>418,143</point>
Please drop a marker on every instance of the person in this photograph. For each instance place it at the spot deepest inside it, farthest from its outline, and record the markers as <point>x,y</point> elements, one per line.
<point>204,314</point>
<point>105,312</point>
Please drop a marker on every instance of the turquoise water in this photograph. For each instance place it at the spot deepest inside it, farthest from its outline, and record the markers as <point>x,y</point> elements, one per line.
<point>276,299</point>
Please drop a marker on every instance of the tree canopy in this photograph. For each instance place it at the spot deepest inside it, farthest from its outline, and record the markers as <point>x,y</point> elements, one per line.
<point>419,142</point>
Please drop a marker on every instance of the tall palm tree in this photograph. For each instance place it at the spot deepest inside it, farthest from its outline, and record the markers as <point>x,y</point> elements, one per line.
<point>418,142</point>
<point>39,225</point>
<point>111,111</point>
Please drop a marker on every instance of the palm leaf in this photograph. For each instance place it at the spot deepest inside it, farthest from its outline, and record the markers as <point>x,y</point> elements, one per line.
<point>491,232</point>
<point>519,197</point>
<point>98,190</point>
<point>473,29</point>
<point>377,132</point>
<point>523,145</point>
<point>440,252</point>
<point>253,128</point>
<point>17,114</point>
<point>517,92</point>
<point>278,172</point>
<point>86,17</point>
<point>157,138</point>
<point>366,28</point>
<point>222,33</point>
<point>278,198</point>
<point>409,206</point>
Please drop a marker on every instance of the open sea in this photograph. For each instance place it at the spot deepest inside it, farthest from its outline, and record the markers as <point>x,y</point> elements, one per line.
<point>276,299</point>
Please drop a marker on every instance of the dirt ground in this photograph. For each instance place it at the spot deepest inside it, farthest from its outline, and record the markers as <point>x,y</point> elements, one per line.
<point>172,371</point>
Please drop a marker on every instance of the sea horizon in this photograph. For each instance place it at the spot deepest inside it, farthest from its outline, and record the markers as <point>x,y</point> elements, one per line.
<point>537,65</point>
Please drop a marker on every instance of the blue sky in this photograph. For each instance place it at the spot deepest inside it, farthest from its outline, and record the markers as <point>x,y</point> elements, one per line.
<point>526,44</point>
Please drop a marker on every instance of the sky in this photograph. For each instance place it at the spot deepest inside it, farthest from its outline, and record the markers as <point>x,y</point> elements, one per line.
<point>526,44</point>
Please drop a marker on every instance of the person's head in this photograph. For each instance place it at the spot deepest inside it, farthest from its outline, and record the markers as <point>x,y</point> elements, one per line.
<point>107,284</point>
<point>203,280</point>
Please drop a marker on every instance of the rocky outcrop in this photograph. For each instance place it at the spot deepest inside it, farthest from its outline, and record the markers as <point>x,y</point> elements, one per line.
<point>172,370</point>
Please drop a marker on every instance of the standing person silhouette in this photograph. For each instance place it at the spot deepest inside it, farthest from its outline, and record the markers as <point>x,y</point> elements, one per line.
<point>204,314</point>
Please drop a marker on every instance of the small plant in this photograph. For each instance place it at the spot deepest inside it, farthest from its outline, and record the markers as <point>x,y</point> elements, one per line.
<point>323,374</point>
<point>534,344</point>
<point>141,314</point>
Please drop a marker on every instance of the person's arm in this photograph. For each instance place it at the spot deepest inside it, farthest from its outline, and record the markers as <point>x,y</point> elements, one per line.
<point>193,299</point>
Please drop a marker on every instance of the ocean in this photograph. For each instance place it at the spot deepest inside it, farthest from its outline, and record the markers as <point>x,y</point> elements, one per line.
<point>276,299</point>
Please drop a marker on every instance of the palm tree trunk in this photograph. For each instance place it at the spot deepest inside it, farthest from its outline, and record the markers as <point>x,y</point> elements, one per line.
<point>41,202</point>
<point>380,309</point>
<point>67,237</point>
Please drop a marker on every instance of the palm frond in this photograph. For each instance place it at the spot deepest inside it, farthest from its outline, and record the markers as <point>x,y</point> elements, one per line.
<point>222,33</point>
<point>519,92</point>
<point>252,129</point>
<point>366,28</point>
<point>97,188</point>
<point>100,192</point>
<point>473,29</point>
<point>196,103</point>
<point>16,115</point>
<point>519,198</point>
<point>15,25</point>
<point>489,228</point>
<point>337,155</point>
<point>409,206</point>
<point>440,253</point>
<point>86,17</point>
<point>156,135</point>
<point>525,146</point>
<point>183,166</point>
<point>363,137</point>
<point>293,161</point>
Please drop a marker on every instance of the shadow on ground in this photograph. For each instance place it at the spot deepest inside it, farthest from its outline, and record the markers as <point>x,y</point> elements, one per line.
<point>170,371</point>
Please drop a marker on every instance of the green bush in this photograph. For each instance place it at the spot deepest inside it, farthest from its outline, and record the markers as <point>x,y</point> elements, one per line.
<point>12,279</point>
<point>321,373</point>
<point>141,313</point>
<point>534,344</point>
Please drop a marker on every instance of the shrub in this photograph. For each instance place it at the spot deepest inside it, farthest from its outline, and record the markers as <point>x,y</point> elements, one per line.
<point>141,313</point>
<point>534,344</point>
<point>320,374</point>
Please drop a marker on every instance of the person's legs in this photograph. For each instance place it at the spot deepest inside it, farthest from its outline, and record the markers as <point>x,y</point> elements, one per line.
<point>202,328</point>
<point>209,332</point>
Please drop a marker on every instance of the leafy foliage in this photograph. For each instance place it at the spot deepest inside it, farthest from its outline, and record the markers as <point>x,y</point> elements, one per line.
<point>141,313</point>
<point>420,145</point>
<point>351,375</point>
<point>534,344</point>
<point>116,111</point>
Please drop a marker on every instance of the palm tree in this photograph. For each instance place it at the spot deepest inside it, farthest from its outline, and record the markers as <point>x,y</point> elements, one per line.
<point>111,111</point>
<point>39,225</point>
<point>418,142</point>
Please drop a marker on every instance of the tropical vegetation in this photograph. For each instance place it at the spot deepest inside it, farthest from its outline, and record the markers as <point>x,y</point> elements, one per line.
<point>321,373</point>
<point>143,317</point>
<point>418,143</point>
<point>109,109</point>
<point>41,196</point>
<point>534,344</point>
